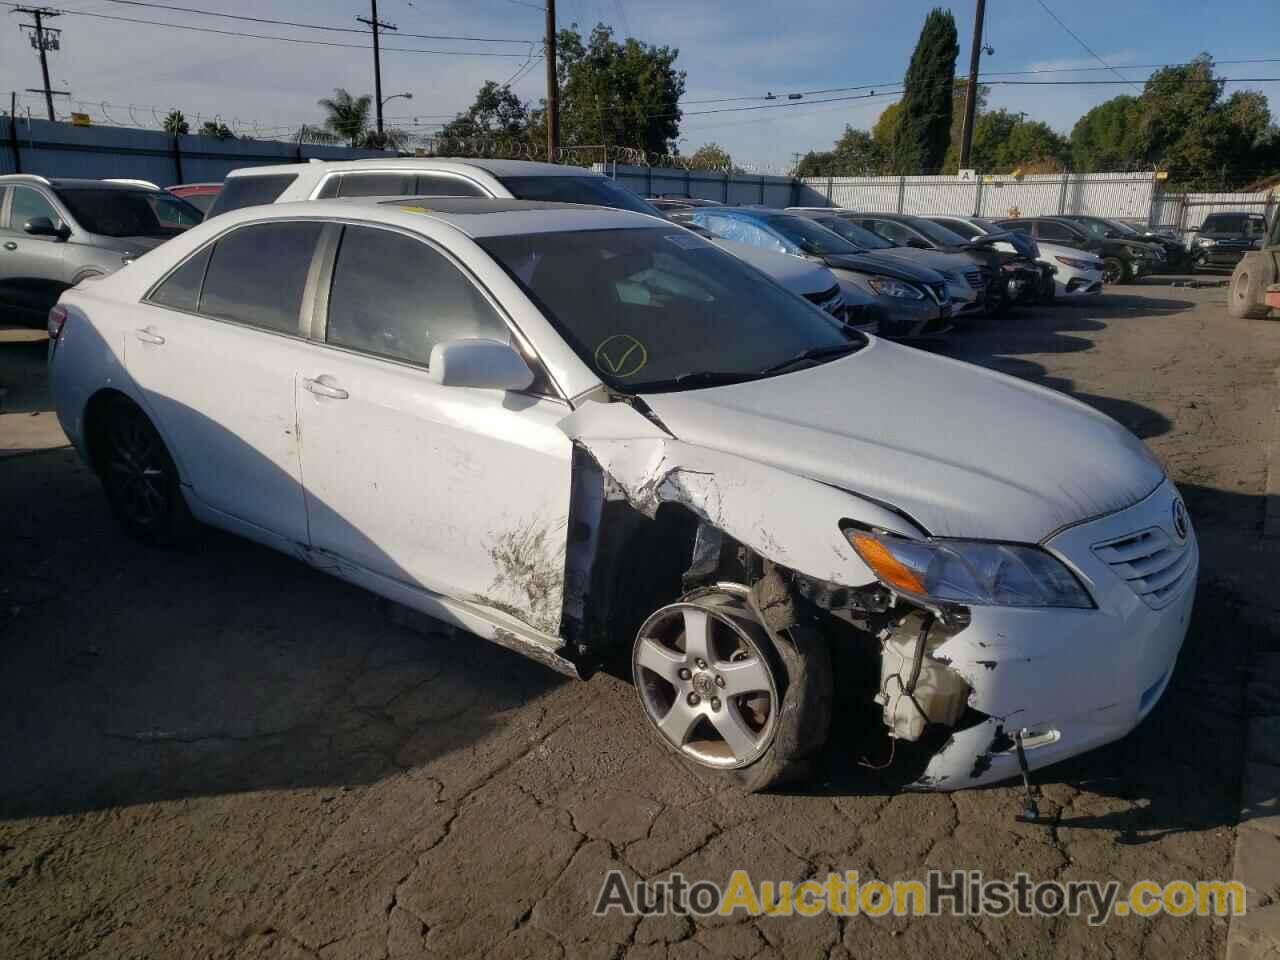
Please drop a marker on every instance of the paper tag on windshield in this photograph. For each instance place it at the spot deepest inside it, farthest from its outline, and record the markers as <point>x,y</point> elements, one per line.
<point>686,241</point>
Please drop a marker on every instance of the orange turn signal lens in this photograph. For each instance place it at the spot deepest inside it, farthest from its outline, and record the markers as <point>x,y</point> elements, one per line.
<point>884,564</point>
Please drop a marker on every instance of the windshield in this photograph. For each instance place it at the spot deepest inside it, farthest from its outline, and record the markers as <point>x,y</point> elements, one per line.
<point>130,213</point>
<point>658,309</point>
<point>1124,229</point>
<point>859,236</point>
<point>600,191</point>
<point>811,237</point>
<point>939,235</point>
<point>966,230</point>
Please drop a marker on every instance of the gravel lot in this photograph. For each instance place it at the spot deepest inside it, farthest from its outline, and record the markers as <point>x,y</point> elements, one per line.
<point>222,753</point>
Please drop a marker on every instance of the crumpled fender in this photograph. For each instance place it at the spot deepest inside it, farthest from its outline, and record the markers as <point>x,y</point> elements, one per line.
<point>787,518</point>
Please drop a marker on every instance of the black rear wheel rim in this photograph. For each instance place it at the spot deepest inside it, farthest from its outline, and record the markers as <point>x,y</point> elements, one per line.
<point>138,471</point>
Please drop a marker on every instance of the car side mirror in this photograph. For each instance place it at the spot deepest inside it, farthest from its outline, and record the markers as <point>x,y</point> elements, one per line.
<point>43,227</point>
<point>484,364</point>
<point>1111,235</point>
<point>917,244</point>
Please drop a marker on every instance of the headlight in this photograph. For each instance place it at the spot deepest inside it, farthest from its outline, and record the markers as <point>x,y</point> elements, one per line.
<point>1079,264</point>
<point>969,572</point>
<point>1138,252</point>
<point>887,287</point>
<point>1207,241</point>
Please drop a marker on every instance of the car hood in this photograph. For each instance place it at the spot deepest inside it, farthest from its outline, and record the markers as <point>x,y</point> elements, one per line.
<point>933,259</point>
<point>1024,245</point>
<point>878,265</point>
<point>963,451</point>
<point>795,273</point>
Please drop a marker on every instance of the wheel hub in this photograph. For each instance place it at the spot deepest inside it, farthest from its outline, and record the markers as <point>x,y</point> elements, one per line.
<point>704,684</point>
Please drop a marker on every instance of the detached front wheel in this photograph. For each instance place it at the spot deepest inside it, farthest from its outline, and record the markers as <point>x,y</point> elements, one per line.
<point>720,691</point>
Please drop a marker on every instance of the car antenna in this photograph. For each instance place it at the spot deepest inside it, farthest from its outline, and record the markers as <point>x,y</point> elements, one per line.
<point>1031,811</point>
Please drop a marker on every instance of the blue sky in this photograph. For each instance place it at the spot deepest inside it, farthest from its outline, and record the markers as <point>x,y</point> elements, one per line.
<point>729,49</point>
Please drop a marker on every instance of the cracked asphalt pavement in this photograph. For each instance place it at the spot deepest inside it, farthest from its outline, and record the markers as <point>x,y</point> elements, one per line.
<point>221,753</point>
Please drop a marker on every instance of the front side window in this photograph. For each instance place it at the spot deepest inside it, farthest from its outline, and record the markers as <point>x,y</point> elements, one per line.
<point>656,309</point>
<point>257,274</point>
<point>250,191</point>
<point>130,213</point>
<point>397,297</point>
<point>894,232</point>
<point>28,204</point>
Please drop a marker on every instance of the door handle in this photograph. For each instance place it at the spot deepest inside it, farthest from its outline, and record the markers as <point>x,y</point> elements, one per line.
<point>10,245</point>
<point>146,336</point>
<point>322,389</point>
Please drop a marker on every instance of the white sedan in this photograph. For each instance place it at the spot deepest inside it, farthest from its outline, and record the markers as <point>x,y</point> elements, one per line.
<point>1076,273</point>
<point>576,431</point>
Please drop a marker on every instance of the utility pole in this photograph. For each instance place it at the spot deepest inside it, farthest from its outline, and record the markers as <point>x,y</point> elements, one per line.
<point>971,94</point>
<point>553,86</point>
<point>375,24</point>
<point>44,39</point>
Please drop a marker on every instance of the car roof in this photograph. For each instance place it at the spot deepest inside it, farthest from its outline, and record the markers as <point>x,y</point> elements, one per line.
<point>474,216</point>
<point>496,168</point>
<point>75,183</point>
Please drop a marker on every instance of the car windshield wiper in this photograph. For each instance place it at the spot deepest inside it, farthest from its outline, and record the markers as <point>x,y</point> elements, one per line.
<point>814,353</point>
<point>697,378</point>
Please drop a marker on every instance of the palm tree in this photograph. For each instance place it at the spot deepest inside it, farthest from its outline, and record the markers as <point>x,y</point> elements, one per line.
<point>348,116</point>
<point>175,123</point>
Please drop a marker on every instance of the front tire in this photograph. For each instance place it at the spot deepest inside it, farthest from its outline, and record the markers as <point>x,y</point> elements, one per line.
<point>719,690</point>
<point>1114,270</point>
<point>1245,298</point>
<point>140,478</point>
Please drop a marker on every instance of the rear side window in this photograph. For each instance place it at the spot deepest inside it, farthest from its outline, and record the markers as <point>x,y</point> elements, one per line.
<point>397,297</point>
<point>1056,231</point>
<point>375,185</point>
<point>257,273</point>
<point>181,289</point>
<point>439,186</point>
<point>250,191</point>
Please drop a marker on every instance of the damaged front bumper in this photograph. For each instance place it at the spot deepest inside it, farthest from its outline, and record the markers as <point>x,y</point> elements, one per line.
<point>1072,680</point>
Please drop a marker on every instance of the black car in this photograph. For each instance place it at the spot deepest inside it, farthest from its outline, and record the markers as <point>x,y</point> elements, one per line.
<point>1122,260</point>
<point>1177,258</point>
<point>1022,277</point>
<point>1224,238</point>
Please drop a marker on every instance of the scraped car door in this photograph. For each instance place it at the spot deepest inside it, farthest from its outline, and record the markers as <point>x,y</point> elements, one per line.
<point>457,491</point>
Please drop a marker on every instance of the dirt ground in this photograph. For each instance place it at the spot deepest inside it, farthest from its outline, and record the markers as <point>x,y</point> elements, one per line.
<point>223,753</point>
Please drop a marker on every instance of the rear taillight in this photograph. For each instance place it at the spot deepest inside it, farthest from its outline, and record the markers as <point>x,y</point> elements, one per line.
<point>57,318</point>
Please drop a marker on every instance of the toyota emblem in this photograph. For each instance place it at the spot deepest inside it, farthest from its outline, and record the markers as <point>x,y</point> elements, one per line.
<point>1181,526</point>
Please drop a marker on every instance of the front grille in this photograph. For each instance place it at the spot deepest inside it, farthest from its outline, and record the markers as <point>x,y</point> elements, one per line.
<point>831,300</point>
<point>1152,563</point>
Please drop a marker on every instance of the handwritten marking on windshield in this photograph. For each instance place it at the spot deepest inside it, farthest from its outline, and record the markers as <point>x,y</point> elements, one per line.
<point>621,355</point>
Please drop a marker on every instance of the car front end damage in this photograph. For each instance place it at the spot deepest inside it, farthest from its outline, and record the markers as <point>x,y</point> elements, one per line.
<point>967,680</point>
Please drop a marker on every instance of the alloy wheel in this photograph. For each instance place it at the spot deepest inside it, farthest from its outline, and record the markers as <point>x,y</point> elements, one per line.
<point>138,470</point>
<point>1112,270</point>
<point>705,682</point>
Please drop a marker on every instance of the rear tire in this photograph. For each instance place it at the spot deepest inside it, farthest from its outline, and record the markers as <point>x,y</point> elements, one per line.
<point>734,703</point>
<point>140,478</point>
<point>1245,297</point>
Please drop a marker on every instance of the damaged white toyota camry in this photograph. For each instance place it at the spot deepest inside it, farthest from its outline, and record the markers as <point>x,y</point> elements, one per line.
<point>586,434</point>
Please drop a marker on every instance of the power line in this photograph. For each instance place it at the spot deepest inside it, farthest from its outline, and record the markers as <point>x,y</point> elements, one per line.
<point>305,26</point>
<point>1086,46</point>
<point>260,36</point>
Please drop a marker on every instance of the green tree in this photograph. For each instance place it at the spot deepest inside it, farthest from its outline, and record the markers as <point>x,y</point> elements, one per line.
<point>215,128</point>
<point>856,154</point>
<point>175,123</point>
<point>619,94</point>
<point>1182,124</point>
<point>711,156</point>
<point>496,111</point>
<point>347,116</point>
<point>920,142</point>
<point>1004,142</point>
<point>1108,137</point>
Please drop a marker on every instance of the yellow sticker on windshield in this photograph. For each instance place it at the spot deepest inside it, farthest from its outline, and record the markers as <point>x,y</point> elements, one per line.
<point>621,355</point>
<point>409,209</point>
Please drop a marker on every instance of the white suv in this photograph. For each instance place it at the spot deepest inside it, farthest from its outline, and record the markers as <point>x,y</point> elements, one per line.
<point>517,180</point>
